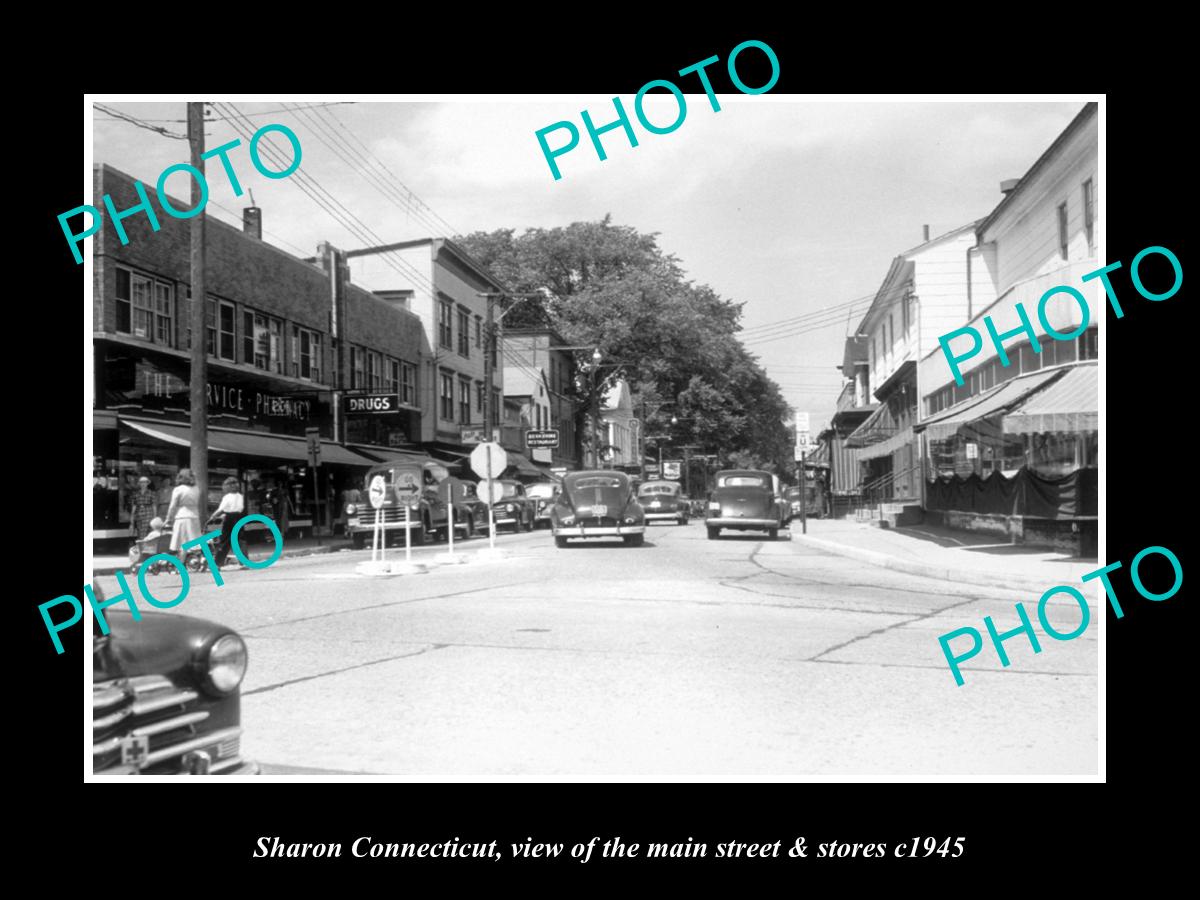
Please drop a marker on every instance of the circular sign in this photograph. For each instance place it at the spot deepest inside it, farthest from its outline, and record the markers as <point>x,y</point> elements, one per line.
<point>494,491</point>
<point>377,491</point>
<point>407,487</point>
<point>488,460</point>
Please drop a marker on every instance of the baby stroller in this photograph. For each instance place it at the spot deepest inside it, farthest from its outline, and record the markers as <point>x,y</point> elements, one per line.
<point>156,541</point>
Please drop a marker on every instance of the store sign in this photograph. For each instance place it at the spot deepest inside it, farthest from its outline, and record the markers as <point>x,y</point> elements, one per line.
<point>547,437</point>
<point>157,388</point>
<point>672,469</point>
<point>371,404</point>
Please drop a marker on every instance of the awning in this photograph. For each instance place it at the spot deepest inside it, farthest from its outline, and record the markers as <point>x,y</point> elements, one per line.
<point>247,443</point>
<point>388,454</point>
<point>879,426</point>
<point>445,455</point>
<point>990,403</point>
<point>1069,404</point>
<point>523,465</point>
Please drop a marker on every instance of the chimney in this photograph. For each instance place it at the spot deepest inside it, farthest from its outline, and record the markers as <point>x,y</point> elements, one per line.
<point>1007,185</point>
<point>926,233</point>
<point>252,222</point>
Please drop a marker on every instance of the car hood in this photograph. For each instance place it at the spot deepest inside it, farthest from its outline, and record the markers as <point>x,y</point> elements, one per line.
<point>158,644</point>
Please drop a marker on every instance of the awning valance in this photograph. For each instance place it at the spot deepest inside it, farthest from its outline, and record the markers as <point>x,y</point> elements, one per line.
<point>993,402</point>
<point>1069,404</point>
<point>247,443</point>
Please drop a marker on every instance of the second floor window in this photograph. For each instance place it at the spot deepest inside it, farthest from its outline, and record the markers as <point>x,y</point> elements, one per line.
<point>374,371</point>
<point>262,341</point>
<point>447,398</point>
<point>408,384</point>
<point>356,369</point>
<point>445,325</point>
<point>220,329</point>
<point>464,333</point>
<point>392,371</point>
<point>464,400</point>
<point>1089,210</point>
<point>1062,230</point>
<point>306,354</point>
<point>145,308</point>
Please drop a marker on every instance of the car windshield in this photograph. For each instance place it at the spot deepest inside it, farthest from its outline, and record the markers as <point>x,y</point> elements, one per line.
<point>744,481</point>
<point>658,489</point>
<point>541,491</point>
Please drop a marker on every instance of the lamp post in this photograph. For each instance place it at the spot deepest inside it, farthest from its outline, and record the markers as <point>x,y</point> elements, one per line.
<point>595,408</point>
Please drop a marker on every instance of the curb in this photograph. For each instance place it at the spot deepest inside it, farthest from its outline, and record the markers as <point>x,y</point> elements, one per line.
<point>970,577</point>
<point>287,554</point>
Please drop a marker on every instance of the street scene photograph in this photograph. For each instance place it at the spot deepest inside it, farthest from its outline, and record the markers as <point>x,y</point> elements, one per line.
<point>516,439</point>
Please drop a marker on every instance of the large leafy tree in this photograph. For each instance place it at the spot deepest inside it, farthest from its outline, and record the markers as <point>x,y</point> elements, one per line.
<point>673,341</point>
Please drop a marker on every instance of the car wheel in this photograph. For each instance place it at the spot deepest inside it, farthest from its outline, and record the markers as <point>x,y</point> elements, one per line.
<point>713,533</point>
<point>560,542</point>
<point>358,539</point>
<point>772,534</point>
<point>635,540</point>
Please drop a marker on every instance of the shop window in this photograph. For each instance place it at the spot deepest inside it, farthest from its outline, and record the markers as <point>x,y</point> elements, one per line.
<point>445,324</point>
<point>1029,360</point>
<point>1062,229</point>
<point>464,400</point>
<point>1088,343</point>
<point>464,333</point>
<point>306,354</point>
<point>447,397</point>
<point>408,383</point>
<point>1089,211</point>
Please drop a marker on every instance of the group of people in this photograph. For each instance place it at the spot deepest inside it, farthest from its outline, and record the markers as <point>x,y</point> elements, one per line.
<point>184,512</point>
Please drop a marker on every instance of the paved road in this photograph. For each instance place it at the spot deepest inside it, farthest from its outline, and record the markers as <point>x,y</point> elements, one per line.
<point>686,658</point>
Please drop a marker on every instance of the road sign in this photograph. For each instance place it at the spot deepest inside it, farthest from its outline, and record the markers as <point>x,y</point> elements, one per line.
<point>671,469</point>
<point>313,436</point>
<point>547,437</point>
<point>488,460</point>
<point>377,491</point>
<point>493,491</point>
<point>560,471</point>
<point>408,488</point>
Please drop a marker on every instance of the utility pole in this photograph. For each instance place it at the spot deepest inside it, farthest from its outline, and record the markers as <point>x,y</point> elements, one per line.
<point>489,374</point>
<point>199,349</point>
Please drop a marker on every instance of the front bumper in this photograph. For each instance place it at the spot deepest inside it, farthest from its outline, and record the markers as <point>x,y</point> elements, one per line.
<point>738,522</point>
<point>659,516</point>
<point>353,527</point>
<point>598,530</point>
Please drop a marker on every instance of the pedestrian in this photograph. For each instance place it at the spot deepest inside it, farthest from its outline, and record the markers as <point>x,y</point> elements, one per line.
<point>278,499</point>
<point>183,515</point>
<point>230,510</point>
<point>143,506</point>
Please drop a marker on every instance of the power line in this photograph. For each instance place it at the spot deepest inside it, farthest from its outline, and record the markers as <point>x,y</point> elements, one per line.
<point>265,112</point>
<point>782,323</point>
<point>140,123</point>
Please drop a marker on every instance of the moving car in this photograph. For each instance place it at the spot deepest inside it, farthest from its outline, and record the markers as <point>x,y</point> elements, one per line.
<point>542,494</point>
<point>166,696</point>
<point>663,501</point>
<point>514,508</point>
<point>435,489</point>
<point>745,500</point>
<point>599,503</point>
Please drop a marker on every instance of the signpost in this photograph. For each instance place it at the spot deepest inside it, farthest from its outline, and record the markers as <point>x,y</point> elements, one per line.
<point>408,491</point>
<point>803,436</point>
<point>377,493</point>
<point>547,437</point>
<point>313,436</point>
<point>489,461</point>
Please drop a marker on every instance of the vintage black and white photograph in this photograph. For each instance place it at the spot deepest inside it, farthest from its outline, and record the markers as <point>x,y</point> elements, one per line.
<point>706,433</point>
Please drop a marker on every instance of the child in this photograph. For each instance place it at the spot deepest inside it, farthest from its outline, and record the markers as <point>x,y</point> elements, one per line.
<point>156,529</point>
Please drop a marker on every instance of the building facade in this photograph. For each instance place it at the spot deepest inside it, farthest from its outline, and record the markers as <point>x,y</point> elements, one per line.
<point>541,375</point>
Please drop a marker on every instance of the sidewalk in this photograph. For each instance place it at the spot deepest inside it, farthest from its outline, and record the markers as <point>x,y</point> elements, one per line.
<point>947,554</point>
<point>292,547</point>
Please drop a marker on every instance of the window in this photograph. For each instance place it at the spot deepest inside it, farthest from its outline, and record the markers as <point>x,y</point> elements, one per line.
<point>220,329</point>
<point>392,371</point>
<point>262,341</point>
<point>464,333</point>
<point>445,327</point>
<point>1062,229</point>
<point>891,331</point>
<point>464,400</point>
<point>164,314</point>
<point>306,353</point>
<point>447,398</point>
<point>478,332</point>
<point>357,376</point>
<point>1089,210</point>
<point>408,384</point>
<point>123,301</point>
<point>374,370</point>
<point>1088,344</point>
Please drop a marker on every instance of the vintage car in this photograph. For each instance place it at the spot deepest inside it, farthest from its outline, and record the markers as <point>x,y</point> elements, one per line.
<point>434,489</point>
<point>663,501</point>
<point>791,499</point>
<point>542,494</point>
<point>597,504</point>
<point>745,500</point>
<point>514,509</point>
<point>165,696</point>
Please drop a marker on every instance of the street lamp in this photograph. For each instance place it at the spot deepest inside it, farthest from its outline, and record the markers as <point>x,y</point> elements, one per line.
<point>595,407</point>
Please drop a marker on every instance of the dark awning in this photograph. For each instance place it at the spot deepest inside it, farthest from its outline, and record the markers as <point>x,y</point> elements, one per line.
<point>990,403</point>
<point>1069,404</point>
<point>389,454</point>
<point>522,464</point>
<point>247,443</point>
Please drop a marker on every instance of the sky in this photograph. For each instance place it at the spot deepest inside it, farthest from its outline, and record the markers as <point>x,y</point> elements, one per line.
<point>783,203</point>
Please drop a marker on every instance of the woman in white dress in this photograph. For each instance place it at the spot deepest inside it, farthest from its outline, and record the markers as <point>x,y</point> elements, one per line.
<point>183,515</point>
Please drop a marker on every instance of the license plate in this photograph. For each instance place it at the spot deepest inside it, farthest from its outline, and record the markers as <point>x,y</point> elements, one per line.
<point>134,750</point>
<point>599,510</point>
<point>655,504</point>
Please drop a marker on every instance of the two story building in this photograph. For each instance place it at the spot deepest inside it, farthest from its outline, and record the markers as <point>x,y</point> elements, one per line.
<point>540,375</point>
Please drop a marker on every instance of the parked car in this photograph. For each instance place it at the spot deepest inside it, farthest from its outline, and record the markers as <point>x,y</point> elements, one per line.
<point>435,487</point>
<point>597,503</point>
<point>166,696</point>
<point>542,494</point>
<point>514,509</point>
<point>745,500</point>
<point>791,499</point>
<point>663,501</point>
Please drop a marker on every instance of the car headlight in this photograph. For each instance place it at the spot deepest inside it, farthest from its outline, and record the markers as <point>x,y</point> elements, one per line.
<point>629,520</point>
<point>566,520</point>
<point>226,664</point>
<point>351,509</point>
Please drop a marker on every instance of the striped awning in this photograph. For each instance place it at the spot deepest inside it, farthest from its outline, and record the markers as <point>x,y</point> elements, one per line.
<point>993,402</point>
<point>246,443</point>
<point>1069,404</point>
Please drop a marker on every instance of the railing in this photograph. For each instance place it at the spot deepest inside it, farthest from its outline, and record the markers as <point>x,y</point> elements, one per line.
<point>874,493</point>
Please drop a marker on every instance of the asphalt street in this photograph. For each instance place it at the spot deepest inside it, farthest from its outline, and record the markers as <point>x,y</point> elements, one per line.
<point>685,658</point>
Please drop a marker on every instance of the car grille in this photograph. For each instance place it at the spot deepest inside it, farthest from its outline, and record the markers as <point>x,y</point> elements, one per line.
<point>597,521</point>
<point>169,719</point>
<point>392,515</point>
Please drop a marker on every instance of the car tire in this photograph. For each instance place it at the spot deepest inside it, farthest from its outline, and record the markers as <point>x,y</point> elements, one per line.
<point>358,539</point>
<point>772,534</point>
<point>635,540</point>
<point>713,533</point>
<point>560,542</point>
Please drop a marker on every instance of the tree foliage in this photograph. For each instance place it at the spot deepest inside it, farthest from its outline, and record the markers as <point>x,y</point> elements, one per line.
<point>675,342</point>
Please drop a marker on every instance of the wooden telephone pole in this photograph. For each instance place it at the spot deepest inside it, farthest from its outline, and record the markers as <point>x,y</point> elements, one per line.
<point>199,348</point>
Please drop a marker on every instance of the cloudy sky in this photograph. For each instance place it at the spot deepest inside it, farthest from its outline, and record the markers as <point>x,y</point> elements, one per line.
<point>784,203</point>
